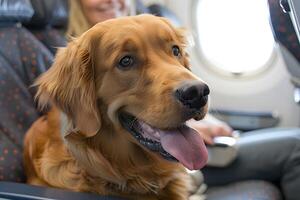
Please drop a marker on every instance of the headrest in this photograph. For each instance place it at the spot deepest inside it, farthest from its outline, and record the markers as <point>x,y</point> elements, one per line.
<point>49,12</point>
<point>140,7</point>
<point>15,11</point>
<point>162,11</point>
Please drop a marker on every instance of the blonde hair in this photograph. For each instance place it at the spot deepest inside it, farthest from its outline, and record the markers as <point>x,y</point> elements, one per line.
<point>77,23</point>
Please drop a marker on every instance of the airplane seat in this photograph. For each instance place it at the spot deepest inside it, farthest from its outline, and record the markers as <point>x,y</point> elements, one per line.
<point>289,44</point>
<point>49,22</point>
<point>22,59</point>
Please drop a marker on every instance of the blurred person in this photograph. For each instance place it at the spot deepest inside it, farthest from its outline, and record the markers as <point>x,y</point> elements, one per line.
<point>86,13</point>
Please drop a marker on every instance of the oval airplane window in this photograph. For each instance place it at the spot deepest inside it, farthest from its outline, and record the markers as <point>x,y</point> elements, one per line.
<point>235,36</point>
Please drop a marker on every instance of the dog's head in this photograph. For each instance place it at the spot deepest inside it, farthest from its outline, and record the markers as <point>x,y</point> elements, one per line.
<point>132,73</point>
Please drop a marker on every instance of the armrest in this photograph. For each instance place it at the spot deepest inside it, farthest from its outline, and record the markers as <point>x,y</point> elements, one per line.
<point>223,152</point>
<point>246,120</point>
<point>17,191</point>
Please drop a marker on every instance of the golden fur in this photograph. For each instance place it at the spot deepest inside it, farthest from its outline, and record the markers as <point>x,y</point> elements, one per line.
<point>97,155</point>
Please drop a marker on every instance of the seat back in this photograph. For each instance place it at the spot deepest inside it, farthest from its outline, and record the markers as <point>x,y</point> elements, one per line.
<point>49,22</point>
<point>22,59</point>
<point>286,36</point>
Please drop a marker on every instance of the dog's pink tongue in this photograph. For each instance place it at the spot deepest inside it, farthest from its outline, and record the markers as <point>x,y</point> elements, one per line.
<point>186,145</point>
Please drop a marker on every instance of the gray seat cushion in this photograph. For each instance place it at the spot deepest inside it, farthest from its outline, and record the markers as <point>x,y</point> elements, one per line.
<point>246,190</point>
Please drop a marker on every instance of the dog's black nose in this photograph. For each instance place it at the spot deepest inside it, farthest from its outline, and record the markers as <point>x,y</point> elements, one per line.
<point>193,94</point>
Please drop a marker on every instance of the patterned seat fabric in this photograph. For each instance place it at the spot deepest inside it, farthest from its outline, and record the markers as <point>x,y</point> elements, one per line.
<point>283,28</point>
<point>49,22</point>
<point>51,38</point>
<point>22,59</point>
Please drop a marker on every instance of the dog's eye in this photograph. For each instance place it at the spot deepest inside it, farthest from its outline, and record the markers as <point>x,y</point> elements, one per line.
<point>176,51</point>
<point>126,62</point>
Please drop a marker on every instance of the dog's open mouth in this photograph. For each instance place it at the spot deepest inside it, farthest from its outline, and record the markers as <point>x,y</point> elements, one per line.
<point>182,144</point>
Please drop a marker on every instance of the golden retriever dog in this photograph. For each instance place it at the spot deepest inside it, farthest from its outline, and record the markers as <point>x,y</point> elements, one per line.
<point>121,95</point>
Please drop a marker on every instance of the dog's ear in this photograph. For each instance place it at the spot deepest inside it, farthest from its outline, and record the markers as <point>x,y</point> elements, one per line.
<point>70,84</point>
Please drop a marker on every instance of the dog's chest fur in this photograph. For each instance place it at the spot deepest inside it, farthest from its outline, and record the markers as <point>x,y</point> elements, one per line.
<point>131,182</point>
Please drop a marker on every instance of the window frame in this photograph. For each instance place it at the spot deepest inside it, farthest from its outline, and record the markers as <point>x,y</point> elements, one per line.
<point>218,70</point>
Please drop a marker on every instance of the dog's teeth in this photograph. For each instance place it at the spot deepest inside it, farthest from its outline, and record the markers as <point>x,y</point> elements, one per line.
<point>149,143</point>
<point>153,146</point>
<point>156,134</point>
<point>138,137</point>
<point>148,140</point>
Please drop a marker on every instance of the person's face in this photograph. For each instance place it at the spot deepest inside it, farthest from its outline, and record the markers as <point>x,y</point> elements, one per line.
<point>100,10</point>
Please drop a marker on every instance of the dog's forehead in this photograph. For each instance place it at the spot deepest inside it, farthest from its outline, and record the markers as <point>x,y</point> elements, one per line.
<point>135,33</point>
<point>147,26</point>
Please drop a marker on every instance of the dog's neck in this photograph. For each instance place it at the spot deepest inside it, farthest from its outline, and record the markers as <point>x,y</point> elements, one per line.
<point>109,159</point>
